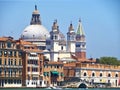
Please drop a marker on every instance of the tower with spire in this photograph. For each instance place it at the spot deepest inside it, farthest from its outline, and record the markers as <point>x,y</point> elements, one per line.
<point>54,35</point>
<point>71,39</point>
<point>80,51</point>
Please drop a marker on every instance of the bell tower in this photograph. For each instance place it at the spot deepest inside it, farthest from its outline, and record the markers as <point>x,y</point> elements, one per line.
<point>80,42</point>
<point>71,39</point>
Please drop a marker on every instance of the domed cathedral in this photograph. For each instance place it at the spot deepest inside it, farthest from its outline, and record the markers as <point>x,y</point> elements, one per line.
<point>54,44</point>
<point>36,32</point>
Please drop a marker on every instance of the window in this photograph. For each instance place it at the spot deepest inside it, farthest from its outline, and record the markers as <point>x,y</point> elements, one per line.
<point>55,37</point>
<point>9,70</point>
<point>0,61</point>
<point>20,63</point>
<point>5,81</point>
<point>15,73</point>
<point>5,72</point>
<point>57,66</point>
<point>9,53</point>
<point>77,45</point>
<point>93,74</point>
<point>11,73</point>
<point>9,44</point>
<point>52,37</point>
<point>0,53</point>
<point>14,81</point>
<point>20,71</point>
<point>100,74</point>
<point>9,81</point>
<point>15,53</point>
<point>20,53</point>
<point>85,74</point>
<point>8,61</point>
<point>11,61</point>
<point>116,75</point>
<point>34,69</point>
<point>5,62</point>
<point>109,75</point>
<point>28,69</point>
<point>61,47</point>
<point>15,62</point>
<point>40,83</point>
<point>28,77</point>
<point>5,53</point>
<point>0,70</point>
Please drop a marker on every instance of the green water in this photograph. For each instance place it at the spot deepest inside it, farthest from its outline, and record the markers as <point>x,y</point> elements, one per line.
<point>59,89</point>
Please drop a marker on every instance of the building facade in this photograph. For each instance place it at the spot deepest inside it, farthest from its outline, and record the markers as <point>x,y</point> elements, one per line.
<point>10,63</point>
<point>99,74</point>
<point>32,64</point>
<point>53,73</point>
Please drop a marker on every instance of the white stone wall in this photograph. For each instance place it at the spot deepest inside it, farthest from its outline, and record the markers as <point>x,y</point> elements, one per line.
<point>97,79</point>
<point>35,83</point>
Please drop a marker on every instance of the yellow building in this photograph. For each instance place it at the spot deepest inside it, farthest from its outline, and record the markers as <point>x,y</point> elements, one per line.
<point>53,73</point>
<point>98,73</point>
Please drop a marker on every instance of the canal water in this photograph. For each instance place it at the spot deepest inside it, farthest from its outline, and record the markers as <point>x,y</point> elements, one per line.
<point>59,89</point>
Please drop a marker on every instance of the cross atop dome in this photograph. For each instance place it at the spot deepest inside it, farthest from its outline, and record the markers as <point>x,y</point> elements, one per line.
<point>35,7</point>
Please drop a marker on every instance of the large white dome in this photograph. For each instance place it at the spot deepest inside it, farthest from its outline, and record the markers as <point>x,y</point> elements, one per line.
<point>35,32</point>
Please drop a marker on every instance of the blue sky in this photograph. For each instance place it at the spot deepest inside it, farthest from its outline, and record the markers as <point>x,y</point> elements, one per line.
<point>100,19</point>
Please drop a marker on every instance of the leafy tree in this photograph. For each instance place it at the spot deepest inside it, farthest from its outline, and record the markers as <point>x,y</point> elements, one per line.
<point>109,61</point>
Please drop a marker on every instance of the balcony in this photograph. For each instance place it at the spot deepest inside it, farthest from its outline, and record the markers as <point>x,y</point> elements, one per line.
<point>10,76</point>
<point>33,58</point>
<point>11,66</point>
<point>36,73</point>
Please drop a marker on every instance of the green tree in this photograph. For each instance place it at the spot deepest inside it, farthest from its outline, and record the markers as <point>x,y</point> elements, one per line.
<point>109,61</point>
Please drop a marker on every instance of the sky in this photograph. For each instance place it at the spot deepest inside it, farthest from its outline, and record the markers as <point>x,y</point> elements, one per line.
<point>100,20</point>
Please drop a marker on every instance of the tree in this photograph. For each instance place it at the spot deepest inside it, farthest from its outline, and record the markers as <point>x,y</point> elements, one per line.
<point>109,61</point>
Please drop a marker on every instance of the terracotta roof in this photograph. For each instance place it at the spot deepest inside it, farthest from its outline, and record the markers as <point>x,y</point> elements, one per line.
<point>6,38</point>
<point>33,50</point>
<point>51,62</point>
<point>22,42</point>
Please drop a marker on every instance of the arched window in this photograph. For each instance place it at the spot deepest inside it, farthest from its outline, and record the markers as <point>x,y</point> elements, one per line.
<point>109,75</point>
<point>93,74</point>
<point>85,74</point>
<point>61,47</point>
<point>100,74</point>
<point>116,75</point>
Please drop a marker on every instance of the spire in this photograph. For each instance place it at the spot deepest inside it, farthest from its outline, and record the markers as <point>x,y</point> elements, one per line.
<point>55,25</point>
<point>80,29</point>
<point>71,27</point>
<point>35,7</point>
<point>35,17</point>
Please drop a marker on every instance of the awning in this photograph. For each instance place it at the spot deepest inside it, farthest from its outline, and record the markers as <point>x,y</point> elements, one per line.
<point>45,73</point>
<point>62,74</point>
<point>55,72</point>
